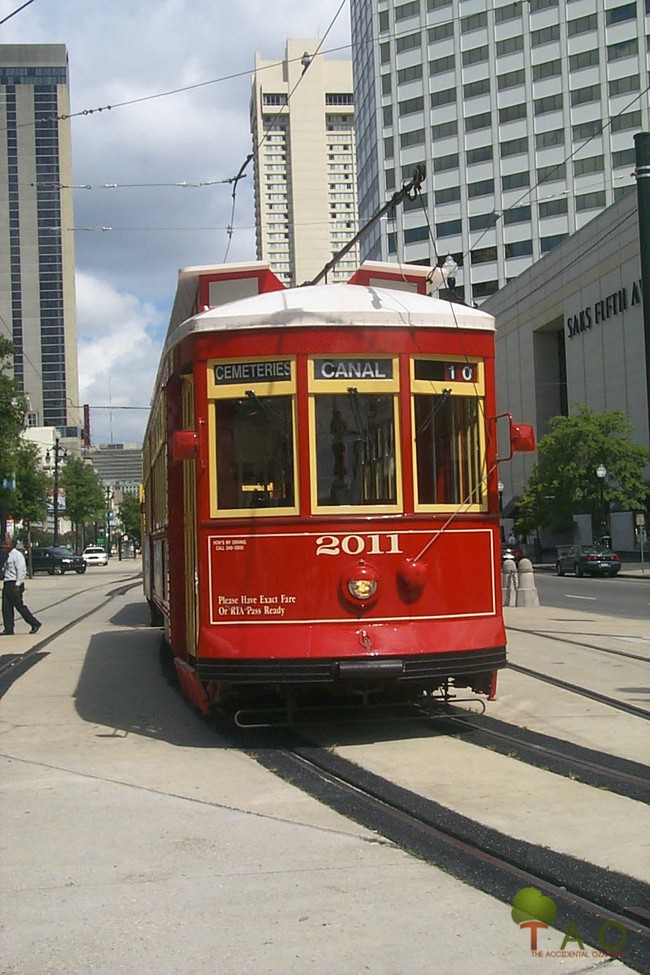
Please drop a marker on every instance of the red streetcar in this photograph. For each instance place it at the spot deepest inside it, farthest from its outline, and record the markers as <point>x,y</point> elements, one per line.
<point>321,490</point>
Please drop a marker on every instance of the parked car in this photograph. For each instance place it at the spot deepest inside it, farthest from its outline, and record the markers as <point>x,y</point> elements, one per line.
<point>56,560</point>
<point>587,560</point>
<point>511,552</point>
<point>95,555</point>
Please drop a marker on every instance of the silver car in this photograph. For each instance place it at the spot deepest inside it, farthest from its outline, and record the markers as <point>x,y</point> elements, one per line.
<point>95,555</point>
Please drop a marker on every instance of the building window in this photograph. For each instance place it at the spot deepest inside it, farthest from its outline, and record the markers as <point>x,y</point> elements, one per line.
<point>519,248</point>
<point>550,103</point>
<point>514,147</point>
<point>583,167</point>
<point>548,243</point>
<point>411,106</point>
<point>585,59</point>
<point>581,25</point>
<point>447,97</point>
<point>591,201</point>
<point>476,88</point>
<point>483,221</point>
<point>441,33</point>
<point>584,95</point>
<point>476,55</point>
<point>510,45</point>
<point>484,187</point>
<point>511,113</point>
<point>449,195</point>
<point>442,65</point>
<point>511,11</point>
<point>517,215</point>
<point>407,10</point>
<point>483,289</point>
<point>618,14</point>
<point>545,36</point>
<point>415,138</point>
<point>629,120</point>
<point>586,130</point>
<point>476,122</point>
<point>624,49</point>
<point>473,22</point>
<point>444,129</point>
<point>442,163</point>
<point>543,140</point>
<point>547,174</point>
<point>270,99</point>
<point>480,154</point>
<point>549,69</point>
<point>536,5</point>
<point>620,86</point>
<point>416,234</point>
<point>511,79</point>
<point>414,73</point>
<point>515,181</point>
<point>450,228</point>
<point>407,43</point>
<point>626,157</point>
<point>553,208</point>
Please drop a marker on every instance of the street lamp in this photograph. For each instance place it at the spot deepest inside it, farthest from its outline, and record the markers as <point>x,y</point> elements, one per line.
<point>601,474</point>
<point>501,486</point>
<point>59,453</point>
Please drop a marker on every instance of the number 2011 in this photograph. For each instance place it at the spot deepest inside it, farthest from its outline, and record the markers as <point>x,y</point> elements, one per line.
<point>358,544</point>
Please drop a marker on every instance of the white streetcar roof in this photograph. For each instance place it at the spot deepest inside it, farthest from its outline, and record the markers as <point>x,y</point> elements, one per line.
<point>335,305</point>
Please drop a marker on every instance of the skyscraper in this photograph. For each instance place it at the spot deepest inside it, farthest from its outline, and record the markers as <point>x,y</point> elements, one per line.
<point>302,123</point>
<point>37,285</point>
<point>524,114</point>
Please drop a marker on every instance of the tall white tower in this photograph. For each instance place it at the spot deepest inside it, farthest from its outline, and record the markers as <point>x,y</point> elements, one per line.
<point>302,124</point>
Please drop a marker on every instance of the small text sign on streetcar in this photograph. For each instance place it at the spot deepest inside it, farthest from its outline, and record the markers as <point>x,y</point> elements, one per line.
<point>353,369</point>
<point>451,372</point>
<point>277,370</point>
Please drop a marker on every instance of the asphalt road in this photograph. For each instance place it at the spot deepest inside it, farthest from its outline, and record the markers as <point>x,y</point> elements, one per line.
<point>620,596</point>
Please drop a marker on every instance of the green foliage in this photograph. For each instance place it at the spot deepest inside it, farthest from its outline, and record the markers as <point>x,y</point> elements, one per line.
<point>564,481</point>
<point>84,495</point>
<point>129,512</point>
<point>28,501</point>
<point>12,413</point>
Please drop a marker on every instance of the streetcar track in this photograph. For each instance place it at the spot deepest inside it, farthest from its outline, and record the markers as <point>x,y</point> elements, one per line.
<point>586,895</point>
<point>597,769</point>
<point>582,691</point>
<point>546,635</point>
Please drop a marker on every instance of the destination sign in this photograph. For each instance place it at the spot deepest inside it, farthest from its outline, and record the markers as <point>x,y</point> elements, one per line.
<point>353,369</point>
<point>454,372</point>
<point>230,373</point>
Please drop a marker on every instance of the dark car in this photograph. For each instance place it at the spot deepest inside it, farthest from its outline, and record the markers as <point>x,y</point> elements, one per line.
<point>56,560</point>
<point>587,560</point>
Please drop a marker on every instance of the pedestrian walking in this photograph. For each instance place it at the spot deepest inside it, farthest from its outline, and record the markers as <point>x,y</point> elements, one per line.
<point>15,571</point>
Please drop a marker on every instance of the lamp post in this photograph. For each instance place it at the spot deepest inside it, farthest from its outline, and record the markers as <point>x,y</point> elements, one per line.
<point>59,453</point>
<point>601,474</point>
<point>109,498</point>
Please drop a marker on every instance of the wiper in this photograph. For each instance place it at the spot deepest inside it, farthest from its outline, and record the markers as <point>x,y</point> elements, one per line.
<point>446,393</point>
<point>275,419</point>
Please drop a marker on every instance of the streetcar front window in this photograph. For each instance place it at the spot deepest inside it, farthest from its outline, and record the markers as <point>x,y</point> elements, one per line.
<point>355,448</point>
<point>448,449</point>
<point>254,440</point>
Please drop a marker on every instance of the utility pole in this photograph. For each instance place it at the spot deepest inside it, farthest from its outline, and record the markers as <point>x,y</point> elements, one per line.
<point>59,452</point>
<point>642,173</point>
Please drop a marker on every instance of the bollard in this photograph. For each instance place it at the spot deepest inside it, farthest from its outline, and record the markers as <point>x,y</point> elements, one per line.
<point>527,591</point>
<point>509,583</point>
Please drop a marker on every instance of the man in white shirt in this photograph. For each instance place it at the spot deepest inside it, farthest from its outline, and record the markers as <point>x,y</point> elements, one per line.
<point>12,591</point>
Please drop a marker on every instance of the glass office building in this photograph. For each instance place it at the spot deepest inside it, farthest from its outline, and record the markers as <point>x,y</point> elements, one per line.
<point>37,288</point>
<point>524,114</point>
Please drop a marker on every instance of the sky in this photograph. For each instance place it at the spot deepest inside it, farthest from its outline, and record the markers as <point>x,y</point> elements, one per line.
<point>134,225</point>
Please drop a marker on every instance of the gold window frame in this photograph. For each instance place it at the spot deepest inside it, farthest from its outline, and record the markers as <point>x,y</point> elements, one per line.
<point>317,386</point>
<point>237,390</point>
<point>472,389</point>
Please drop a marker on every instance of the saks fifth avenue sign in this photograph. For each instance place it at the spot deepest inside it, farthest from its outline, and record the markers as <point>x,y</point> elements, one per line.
<point>605,308</point>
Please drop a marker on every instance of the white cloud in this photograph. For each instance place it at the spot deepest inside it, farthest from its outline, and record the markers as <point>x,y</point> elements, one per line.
<point>122,51</point>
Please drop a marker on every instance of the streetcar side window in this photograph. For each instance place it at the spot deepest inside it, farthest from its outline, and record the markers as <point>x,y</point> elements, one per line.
<point>448,434</point>
<point>355,449</point>
<point>254,452</point>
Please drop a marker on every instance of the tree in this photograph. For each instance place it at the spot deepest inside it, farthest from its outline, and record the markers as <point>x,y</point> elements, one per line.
<point>129,512</point>
<point>84,496</point>
<point>28,501</point>
<point>12,423</point>
<point>565,483</point>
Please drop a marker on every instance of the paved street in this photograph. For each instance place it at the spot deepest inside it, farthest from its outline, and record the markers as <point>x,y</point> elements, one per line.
<point>133,840</point>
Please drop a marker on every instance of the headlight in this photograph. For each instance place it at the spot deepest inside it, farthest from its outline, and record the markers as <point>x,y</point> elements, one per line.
<point>360,583</point>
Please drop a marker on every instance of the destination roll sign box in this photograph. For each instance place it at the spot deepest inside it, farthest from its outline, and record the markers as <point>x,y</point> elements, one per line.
<point>353,369</point>
<point>227,373</point>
